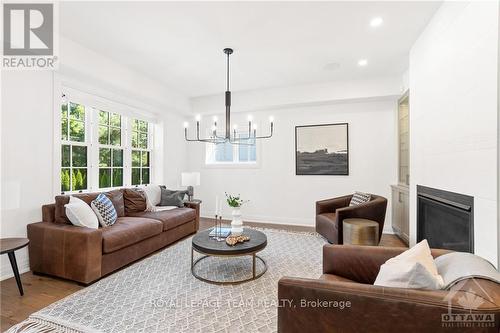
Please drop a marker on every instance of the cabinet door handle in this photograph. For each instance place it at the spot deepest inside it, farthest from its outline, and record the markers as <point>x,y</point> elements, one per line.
<point>399,197</point>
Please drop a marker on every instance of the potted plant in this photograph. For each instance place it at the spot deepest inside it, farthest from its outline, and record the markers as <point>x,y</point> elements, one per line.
<point>235,202</point>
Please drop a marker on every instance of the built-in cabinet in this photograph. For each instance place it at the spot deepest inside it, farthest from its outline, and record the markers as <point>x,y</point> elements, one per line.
<point>400,192</point>
<point>401,211</point>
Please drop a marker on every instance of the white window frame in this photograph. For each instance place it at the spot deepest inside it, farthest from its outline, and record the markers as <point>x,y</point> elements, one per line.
<point>122,146</point>
<point>85,143</point>
<point>93,104</point>
<point>148,149</point>
<point>235,163</point>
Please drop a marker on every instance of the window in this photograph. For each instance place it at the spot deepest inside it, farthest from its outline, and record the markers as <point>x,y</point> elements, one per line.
<point>141,154</point>
<point>228,153</point>
<point>110,151</point>
<point>102,149</point>
<point>74,150</point>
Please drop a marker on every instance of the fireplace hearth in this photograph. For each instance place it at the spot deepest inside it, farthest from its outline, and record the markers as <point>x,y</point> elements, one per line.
<point>445,219</point>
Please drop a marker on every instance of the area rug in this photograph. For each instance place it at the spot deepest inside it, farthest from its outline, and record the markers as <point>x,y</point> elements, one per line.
<point>159,293</point>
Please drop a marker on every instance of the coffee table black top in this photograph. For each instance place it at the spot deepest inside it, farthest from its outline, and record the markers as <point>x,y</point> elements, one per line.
<point>204,244</point>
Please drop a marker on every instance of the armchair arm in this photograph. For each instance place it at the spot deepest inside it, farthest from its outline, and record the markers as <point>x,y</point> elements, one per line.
<point>65,251</point>
<point>331,205</point>
<point>308,305</point>
<point>360,263</point>
<point>196,206</point>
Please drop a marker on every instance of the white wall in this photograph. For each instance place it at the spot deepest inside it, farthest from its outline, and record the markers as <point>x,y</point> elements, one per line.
<point>27,151</point>
<point>27,133</point>
<point>276,194</point>
<point>300,95</point>
<point>453,113</point>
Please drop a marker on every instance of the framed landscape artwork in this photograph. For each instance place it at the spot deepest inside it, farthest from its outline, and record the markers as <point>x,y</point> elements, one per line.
<point>322,149</point>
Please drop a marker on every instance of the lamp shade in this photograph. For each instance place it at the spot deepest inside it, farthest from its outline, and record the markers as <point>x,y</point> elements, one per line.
<point>190,178</point>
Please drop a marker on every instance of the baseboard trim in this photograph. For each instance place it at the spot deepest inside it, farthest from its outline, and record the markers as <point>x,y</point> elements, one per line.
<point>283,222</point>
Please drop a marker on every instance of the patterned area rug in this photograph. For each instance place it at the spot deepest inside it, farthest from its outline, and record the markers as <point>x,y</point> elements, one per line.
<point>159,293</point>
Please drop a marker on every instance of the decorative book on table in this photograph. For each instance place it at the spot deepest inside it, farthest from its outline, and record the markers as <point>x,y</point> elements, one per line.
<point>221,232</point>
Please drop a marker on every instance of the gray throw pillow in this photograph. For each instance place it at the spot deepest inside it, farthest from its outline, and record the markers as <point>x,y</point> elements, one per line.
<point>172,198</point>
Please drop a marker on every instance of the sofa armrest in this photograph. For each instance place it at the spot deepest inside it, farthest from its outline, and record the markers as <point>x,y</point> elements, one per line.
<point>49,213</point>
<point>65,250</point>
<point>308,305</point>
<point>331,205</point>
<point>196,207</point>
<point>360,263</point>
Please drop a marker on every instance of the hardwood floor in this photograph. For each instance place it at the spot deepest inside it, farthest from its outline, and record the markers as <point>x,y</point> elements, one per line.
<point>40,291</point>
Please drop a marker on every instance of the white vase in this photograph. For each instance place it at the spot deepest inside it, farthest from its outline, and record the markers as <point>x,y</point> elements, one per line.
<point>237,222</point>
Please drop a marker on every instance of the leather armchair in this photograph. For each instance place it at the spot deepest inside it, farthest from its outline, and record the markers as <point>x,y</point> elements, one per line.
<point>344,298</point>
<point>331,212</point>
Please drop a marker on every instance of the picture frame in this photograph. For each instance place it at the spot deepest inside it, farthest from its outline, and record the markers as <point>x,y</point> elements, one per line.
<point>322,149</point>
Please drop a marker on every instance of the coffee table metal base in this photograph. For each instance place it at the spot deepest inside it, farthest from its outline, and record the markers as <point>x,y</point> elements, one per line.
<point>254,259</point>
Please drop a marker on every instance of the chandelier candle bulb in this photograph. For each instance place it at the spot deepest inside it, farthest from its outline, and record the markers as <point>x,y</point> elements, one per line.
<point>186,124</point>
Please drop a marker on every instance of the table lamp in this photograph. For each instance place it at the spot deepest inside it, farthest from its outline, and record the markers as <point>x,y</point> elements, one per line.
<point>190,179</point>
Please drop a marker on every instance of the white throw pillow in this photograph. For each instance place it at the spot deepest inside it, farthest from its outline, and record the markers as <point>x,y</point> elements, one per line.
<point>414,268</point>
<point>80,214</point>
<point>153,196</point>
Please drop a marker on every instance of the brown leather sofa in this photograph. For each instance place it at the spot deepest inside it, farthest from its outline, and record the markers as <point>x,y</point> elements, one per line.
<point>307,305</point>
<point>84,255</point>
<point>331,212</point>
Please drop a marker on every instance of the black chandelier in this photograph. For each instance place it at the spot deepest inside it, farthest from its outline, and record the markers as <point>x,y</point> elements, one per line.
<point>235,137</point>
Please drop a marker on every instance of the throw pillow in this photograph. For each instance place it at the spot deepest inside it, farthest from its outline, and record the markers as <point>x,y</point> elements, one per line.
<point>414,269</point>
<point>359,198</point>
<point>153,196</point>
<point>458,266</point>
<point>172,198</point>
<point>80,214</point>
<point>104,209</point>
<point>135,200</point>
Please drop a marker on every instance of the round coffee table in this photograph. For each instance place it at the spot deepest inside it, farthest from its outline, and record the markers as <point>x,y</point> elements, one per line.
<point>209,247</point>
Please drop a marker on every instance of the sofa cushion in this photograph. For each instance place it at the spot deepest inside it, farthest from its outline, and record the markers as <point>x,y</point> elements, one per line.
<point>116,197</point>
<point>170,218</point>
<point>127,231</point>
<point>172,198</point>
<point>135,200</point>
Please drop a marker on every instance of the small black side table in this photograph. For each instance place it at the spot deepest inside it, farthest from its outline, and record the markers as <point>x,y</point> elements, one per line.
<point>9,245</point>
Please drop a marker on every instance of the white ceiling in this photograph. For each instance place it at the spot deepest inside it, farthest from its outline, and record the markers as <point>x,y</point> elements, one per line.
<point>275,43</point>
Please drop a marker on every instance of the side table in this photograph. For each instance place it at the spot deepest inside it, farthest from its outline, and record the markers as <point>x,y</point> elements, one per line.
<point>360,232</point>
<point>9,245</point>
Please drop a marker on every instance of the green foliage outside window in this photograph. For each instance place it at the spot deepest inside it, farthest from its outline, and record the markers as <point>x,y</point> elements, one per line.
<point>110,167</point>
<point>110,132</point>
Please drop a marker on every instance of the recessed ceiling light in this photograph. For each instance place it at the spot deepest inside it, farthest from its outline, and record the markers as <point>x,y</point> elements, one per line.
<point>362,62</point>
<point>376,21</point>
<point>332,66</point>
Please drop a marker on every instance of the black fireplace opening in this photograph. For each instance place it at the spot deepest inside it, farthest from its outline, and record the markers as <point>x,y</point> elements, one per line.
<point>445,219</point>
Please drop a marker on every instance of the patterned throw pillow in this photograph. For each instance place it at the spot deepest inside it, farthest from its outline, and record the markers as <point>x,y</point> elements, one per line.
<point>359,198</point>
<point>104,209</point>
